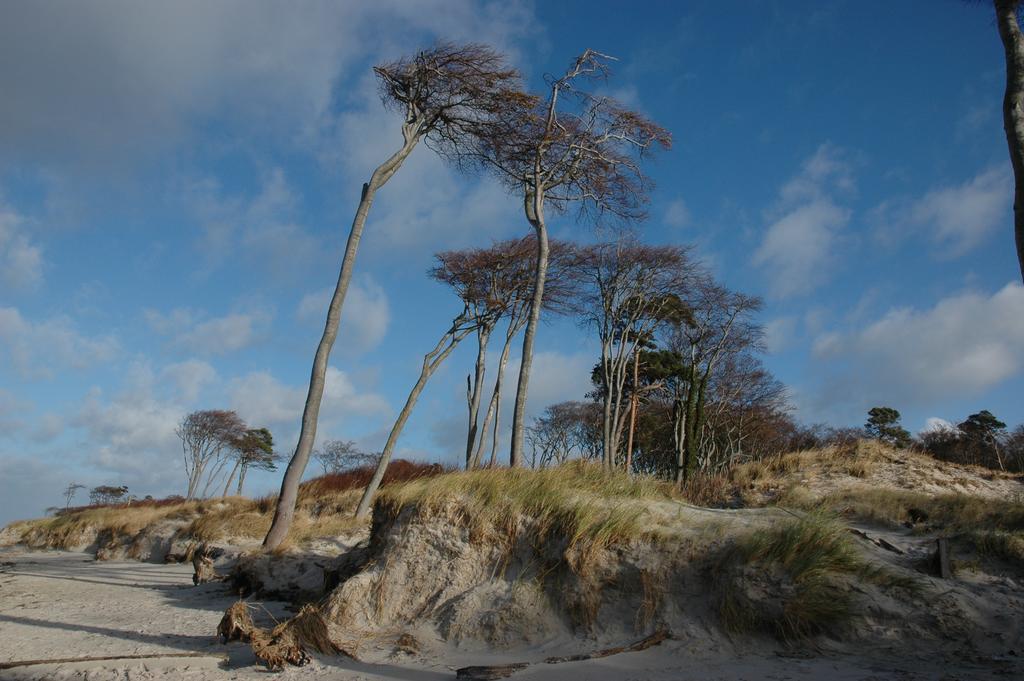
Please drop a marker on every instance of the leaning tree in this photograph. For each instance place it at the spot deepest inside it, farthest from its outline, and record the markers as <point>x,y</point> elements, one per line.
<point>69,493</point>
<point>446,95</point>
<point>480,309</point>
<point>254,449</point>
<point>500,278</point>
<point>205,437</point>
<point>573,149</point>
<point>1007,18</point>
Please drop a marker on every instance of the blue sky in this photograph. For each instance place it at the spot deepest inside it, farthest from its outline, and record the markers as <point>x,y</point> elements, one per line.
<point>177,181</point>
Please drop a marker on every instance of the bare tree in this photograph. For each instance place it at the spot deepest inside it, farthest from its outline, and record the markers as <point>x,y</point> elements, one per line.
<point>485,279</point>
<point>481,309</point>
<point>565,430</point>
<point>574,148</point>
<point>742,398</point>
<point>444,95</point>
<point>629,289</point>
<point>719,324</point>
<point>69,493</point>
<point>497,283</point>
<point>205,435</point>
<point>336,456</point>
<point>1007,14</point>
<point>463,325</point>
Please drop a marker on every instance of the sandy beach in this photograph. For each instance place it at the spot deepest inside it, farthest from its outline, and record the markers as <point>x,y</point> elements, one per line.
<point>67,605</point>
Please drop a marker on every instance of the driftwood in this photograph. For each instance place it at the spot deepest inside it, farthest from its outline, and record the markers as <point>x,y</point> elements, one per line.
<point>643,644</point>
<point>285,643</point>
<point>877,541</point>
<point>202,563</point>
<point>942,562</point>
<point>103,658</point>
<point>490,672</point>
<point>501,671</point>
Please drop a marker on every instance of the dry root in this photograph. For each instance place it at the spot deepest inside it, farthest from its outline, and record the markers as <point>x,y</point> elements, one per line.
<point>285,643</point>
<point>202,562</point>
<point>236,625</point>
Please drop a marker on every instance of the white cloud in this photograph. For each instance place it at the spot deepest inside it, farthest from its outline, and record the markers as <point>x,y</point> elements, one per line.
<point>189,378</point>
<point>21,260</point>
<point>92,83</point>
<point>961,346</point>
<point>798,251</point>
<point>261,399</point>
<point>133,435</point>
<point>955,219</point>
<point>28,486</point>
<point>677,214</point>
<point>778,334</point>
<point>38,349</point>
<point>960,217</point>
<point>262,227</point>
<point>426,206</point>
<point>13,411</point>
<point>48,427</point>
<point>554,377</point>
<point>364,317</point>
<point>188,330</point>
<point>934,424</point>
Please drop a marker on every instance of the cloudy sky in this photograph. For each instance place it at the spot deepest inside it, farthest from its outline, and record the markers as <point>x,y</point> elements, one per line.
<point>177,181</point>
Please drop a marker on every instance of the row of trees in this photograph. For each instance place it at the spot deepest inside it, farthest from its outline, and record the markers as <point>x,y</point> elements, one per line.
<point>569,148</point>
<point>675,345</point>
<point>980,440</point>
<point>216,446</point>
<point>565,148</point>
<point>98,496</point>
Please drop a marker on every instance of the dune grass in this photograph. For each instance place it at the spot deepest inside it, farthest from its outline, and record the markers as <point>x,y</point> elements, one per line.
<point>1008,546</point>
<point>857,459</point>
<point>895,507</point>
<point>578,501</point>
<point>71,529</point>
<point>811,557</point>
<point>325,508</point>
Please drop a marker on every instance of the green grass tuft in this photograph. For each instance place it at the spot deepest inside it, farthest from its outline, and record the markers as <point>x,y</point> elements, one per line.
<point>804,561</point>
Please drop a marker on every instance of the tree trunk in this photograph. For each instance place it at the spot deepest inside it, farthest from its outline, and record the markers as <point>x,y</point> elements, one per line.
<point>634,398</point>
<point>231,477</point>
<point>475,392</point>
<point>285,510</point>
<point>241,478</point>
<point>494,407</point>
<point>1013,111</point>
<point>197,476</point>
<point>214,474</point>
<point>431,361</point>
<point>607,456</point>
<point>679,438</point>
<point>694,425</point>
<point>519,413</point>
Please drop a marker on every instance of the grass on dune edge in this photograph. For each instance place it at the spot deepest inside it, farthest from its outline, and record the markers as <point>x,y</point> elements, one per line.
<point>793,579</point>
<point>580,501</point>
<point>325,508</point>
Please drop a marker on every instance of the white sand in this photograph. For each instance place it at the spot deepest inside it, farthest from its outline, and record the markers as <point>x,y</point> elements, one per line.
<point>60,605</point>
